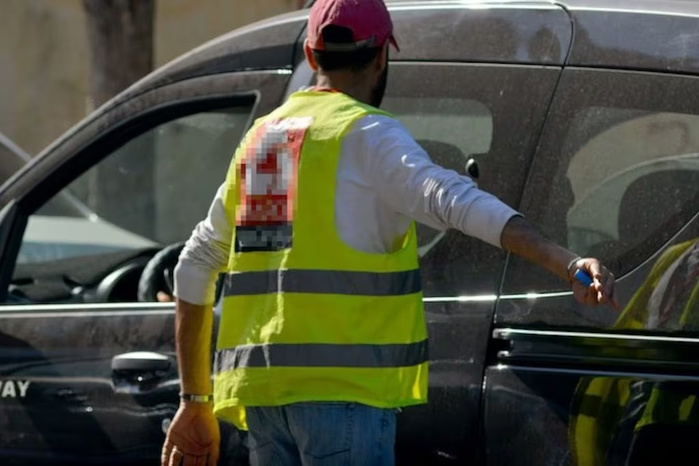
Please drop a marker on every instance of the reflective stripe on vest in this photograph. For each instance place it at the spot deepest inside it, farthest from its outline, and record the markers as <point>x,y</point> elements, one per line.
<point>322,355</point>
<point>323,282</point>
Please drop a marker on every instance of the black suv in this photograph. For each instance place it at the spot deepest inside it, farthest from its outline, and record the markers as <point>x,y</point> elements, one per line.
<point>582,114</point>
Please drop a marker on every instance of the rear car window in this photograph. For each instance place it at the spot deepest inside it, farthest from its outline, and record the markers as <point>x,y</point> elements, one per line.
<point>616,175</point>
<point>643,168</point>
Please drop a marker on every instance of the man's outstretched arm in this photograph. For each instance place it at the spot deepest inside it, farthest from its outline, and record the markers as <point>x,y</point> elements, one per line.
<point>521,238</point>
<point>406,179</point>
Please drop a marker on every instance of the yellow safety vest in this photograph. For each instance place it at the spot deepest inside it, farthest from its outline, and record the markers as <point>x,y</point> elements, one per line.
<point>306,317</point>
<point>600,403</point>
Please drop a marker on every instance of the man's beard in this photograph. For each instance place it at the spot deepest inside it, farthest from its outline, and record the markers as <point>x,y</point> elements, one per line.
<point>379,90</point>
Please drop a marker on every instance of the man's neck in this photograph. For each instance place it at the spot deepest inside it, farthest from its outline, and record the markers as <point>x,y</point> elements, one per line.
<point>346,84</point>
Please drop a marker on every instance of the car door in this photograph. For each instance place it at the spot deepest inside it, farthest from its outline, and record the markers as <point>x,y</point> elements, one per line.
<point>460,275</point>
<point>473,85</point>
<point>87,373</point>
<point>616,176</point>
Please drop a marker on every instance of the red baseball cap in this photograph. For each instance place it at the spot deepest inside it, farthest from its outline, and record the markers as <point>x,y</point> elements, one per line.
<point>367,20</point>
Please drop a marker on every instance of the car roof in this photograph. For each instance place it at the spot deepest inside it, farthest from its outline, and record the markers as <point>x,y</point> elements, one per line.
<point>645,35</point>
<point>273,43</point>
<point>669,7</point>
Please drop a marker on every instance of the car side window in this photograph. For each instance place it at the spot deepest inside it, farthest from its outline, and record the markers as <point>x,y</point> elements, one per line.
<point>644,170</point>
<point>484,119</point>
<point>146,195</point>
<point>617,172</point>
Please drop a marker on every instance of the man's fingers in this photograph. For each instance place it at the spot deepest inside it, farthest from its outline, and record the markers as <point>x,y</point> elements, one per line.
<point>594,268</point>
<point>176,458</point>
<point>200,456</point>
<point>580,292</point>
<point>165,455</point>
<point>608,285</point>
<point>591,299</point>
<point>163,297</point>
<point>609,291</point>
<point>212,459</point>
<point>586,295</point>
<point>194,460</point>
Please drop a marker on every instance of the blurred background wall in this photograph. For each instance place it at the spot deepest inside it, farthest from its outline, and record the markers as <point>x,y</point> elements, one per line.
<point>44,55</point>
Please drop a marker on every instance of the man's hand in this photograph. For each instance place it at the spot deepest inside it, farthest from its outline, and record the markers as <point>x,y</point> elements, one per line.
<point>602,289</point>
<point>521,238</point>
<point>163,297</point>
<point>193,438</point>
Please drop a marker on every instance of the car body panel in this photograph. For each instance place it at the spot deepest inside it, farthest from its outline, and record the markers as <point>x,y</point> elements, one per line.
<point>509,363</point>
<point>73,408</point>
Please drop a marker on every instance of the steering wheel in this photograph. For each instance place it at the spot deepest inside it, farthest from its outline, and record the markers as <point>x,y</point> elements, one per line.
<point>158,275</point>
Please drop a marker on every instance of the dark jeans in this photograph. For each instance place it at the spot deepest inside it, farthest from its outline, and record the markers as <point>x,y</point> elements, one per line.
<point>321,434</point>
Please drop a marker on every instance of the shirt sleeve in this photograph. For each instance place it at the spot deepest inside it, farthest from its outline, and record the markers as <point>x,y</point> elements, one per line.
<point>205,255</point>
<point>408,181</point>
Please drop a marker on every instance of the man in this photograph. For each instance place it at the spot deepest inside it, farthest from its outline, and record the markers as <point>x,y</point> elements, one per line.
<point>322,333</point>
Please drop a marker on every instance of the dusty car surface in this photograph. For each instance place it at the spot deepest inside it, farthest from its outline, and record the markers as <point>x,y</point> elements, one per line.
<point>581,114</point>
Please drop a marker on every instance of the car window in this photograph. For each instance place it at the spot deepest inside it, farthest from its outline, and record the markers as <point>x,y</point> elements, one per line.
<point>438,123</point>
<point>644,169</point>
<point>617,174</point>
<point>148,193</point>
<point>484,118</point>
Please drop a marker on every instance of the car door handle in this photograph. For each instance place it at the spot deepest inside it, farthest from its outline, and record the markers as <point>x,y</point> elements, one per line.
<point>139,371</point>
<point>141,361</point>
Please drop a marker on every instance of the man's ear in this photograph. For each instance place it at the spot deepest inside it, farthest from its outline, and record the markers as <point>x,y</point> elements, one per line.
<point>309,56</point>
<point>382,59</point>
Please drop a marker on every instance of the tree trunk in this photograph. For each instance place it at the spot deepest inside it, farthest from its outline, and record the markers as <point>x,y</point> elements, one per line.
<point>121,44</point>
<point>120,189</point>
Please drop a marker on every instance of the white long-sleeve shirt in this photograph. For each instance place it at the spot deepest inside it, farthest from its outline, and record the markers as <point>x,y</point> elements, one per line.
<point>384,181</point>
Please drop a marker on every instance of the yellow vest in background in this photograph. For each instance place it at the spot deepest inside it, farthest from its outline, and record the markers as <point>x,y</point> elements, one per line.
<point>600,403</point>
<point>306,317</point>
